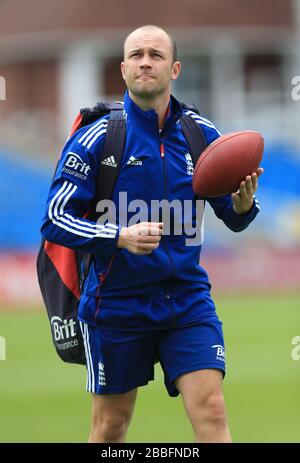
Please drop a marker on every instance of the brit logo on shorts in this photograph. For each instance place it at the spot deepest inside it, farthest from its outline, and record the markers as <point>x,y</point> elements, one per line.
<point>101,377</point>
<point>220,352</point>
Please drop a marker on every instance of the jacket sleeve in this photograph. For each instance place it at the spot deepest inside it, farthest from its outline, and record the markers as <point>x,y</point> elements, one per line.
<point>71,193</point>
<point>222,206</point>
<point>223,209</point>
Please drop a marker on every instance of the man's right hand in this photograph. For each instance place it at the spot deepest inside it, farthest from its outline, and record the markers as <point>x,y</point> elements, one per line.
<point>141,238</point>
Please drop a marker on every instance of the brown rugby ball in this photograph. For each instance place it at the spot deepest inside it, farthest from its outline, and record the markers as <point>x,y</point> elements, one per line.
<point>226,162</point>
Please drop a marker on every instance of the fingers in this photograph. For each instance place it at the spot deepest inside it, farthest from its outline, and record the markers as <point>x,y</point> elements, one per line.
<point>149,228</point>
<point>141,238</point>
<point>250,184</point>
<point>259,171</point>
<point>147,247</point>
<point>148,238</point>
<point>243,198</point>
<point>146,243</point>
<point>144,248</point>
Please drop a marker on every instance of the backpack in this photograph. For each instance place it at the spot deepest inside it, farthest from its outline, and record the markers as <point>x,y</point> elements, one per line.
<point>62,271</point>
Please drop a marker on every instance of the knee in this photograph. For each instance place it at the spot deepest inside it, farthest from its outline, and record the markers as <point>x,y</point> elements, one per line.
<point>209,409</point>
<point>109,428</point>
<point>213,409</point>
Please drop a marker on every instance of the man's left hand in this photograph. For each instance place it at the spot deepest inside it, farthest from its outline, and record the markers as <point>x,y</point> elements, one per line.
<point>243,198</point>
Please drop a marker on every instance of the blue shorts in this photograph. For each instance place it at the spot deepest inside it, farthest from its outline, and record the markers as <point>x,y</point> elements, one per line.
<point>120,360</point>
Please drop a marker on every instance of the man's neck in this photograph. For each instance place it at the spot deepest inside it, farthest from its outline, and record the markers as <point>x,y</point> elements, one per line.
<point>159,104</point>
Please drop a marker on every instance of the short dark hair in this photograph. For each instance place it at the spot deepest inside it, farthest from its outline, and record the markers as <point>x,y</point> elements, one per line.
<point>172,40</point>
<point>174,47</point>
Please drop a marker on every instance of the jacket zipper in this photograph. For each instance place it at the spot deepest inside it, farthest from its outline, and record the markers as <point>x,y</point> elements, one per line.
<point>162,155</point>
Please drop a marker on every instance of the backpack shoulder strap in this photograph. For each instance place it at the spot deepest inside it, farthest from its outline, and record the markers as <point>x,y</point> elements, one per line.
<point>109,168</point>
<point>111,156</point>
<point>194,136</point>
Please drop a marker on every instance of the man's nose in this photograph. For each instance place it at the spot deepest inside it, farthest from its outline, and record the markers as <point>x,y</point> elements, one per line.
<point>145,62</point>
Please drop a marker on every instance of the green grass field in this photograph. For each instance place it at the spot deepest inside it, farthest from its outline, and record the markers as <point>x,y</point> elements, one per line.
<point>44,400</point>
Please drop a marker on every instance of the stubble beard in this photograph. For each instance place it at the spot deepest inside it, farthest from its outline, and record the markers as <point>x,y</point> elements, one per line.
<point>145,93</point>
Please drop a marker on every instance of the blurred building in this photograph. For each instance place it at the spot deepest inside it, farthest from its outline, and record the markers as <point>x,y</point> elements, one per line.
<point>239,58</point>
<point>240,65</point>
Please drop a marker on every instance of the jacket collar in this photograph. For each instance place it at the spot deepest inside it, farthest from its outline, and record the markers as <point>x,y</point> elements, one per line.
<point>150,117</point>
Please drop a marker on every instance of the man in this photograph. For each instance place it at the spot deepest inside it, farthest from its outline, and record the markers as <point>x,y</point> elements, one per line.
<point>146,297</point>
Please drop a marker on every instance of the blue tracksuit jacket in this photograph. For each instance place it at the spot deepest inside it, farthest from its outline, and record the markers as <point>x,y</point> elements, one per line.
<point>156,165</point>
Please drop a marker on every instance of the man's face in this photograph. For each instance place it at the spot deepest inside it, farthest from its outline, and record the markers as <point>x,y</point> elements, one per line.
<point>147,67</point>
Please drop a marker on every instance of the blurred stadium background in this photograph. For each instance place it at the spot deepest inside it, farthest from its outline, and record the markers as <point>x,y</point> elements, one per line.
<point>239,60</point>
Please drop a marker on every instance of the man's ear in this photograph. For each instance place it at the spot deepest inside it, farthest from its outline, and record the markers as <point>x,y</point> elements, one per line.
<point>176,68</point>
<point>122,66</point>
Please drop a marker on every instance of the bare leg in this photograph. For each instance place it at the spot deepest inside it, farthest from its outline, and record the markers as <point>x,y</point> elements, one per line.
<point>203,399</point>
<point>111,415</point>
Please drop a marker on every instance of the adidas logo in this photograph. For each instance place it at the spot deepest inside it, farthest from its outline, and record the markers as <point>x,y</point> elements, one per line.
<point>110,161</point>
<point>134,162</point>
